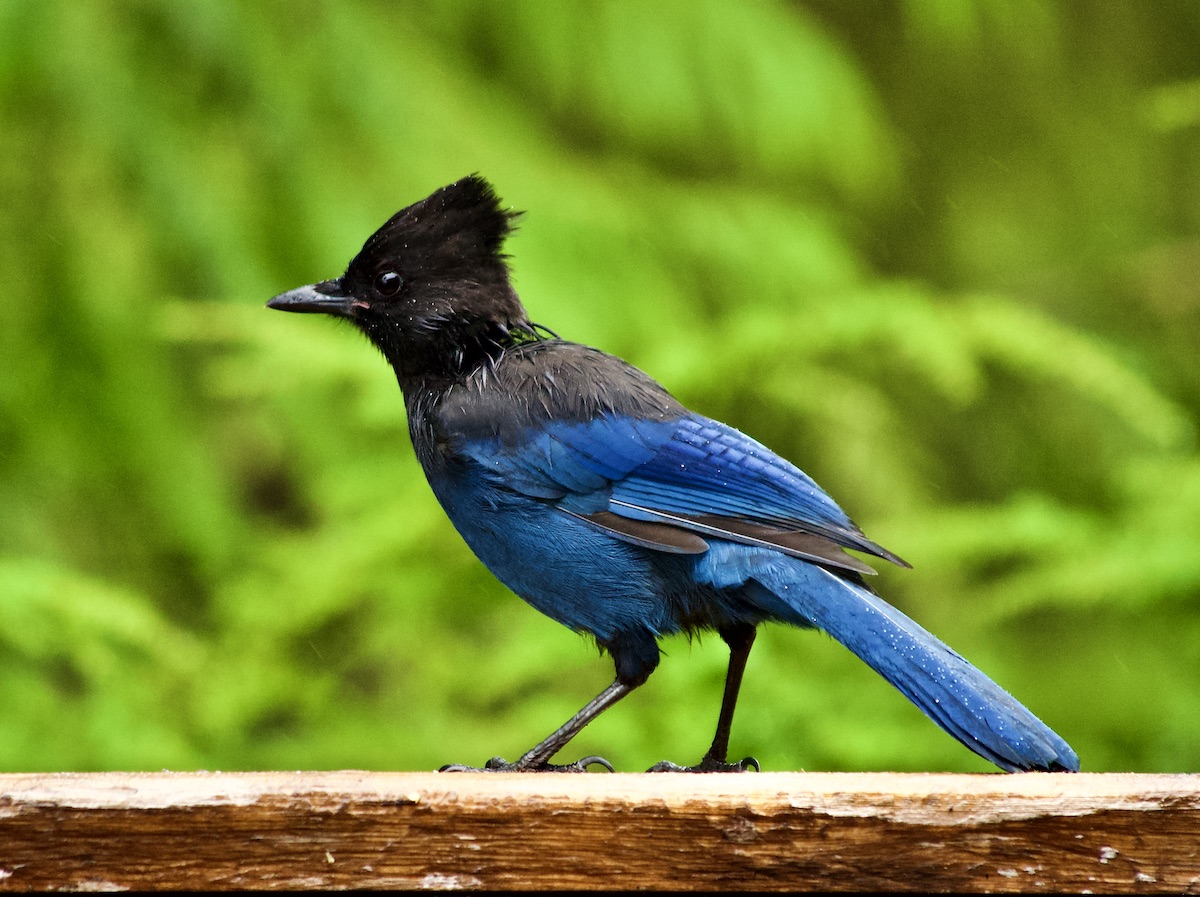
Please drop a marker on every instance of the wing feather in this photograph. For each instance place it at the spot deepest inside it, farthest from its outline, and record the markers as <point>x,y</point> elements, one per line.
<point>668,484</point>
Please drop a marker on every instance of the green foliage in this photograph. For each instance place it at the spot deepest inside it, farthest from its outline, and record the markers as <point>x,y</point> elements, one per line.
<point>943,255</point>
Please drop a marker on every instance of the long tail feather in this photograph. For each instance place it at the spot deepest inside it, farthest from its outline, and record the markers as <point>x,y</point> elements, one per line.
<point>955,695</point>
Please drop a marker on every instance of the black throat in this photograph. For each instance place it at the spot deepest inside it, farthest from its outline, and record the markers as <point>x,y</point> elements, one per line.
<point>454,353</point>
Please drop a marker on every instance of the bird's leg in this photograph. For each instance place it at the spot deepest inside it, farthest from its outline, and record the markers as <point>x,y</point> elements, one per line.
<point>740,639</point>
<point>536,759</point>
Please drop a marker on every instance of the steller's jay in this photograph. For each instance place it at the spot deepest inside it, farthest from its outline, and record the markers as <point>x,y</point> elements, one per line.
<point>588,490</point>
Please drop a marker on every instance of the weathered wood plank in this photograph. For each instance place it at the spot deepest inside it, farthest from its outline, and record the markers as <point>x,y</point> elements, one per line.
<point>795,831</point>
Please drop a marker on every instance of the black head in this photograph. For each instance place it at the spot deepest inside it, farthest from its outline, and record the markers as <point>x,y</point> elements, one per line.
<point>430,288</point>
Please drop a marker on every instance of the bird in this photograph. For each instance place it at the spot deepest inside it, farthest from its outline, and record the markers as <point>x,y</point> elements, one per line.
<point>596,496</point>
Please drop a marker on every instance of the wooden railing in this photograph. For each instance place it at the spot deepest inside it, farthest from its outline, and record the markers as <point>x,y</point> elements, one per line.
<point>1102,833</point>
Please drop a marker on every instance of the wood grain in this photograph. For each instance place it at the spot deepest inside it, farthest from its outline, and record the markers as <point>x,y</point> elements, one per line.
<point>1103,833</point>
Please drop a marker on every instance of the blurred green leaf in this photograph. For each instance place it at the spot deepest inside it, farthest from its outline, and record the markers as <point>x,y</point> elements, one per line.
<point>943,255</point>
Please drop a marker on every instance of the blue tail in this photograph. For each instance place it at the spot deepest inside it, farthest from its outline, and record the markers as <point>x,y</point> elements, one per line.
<point>951,692</point>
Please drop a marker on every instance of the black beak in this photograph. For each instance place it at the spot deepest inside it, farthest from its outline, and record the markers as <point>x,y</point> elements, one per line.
<point>326,297</point>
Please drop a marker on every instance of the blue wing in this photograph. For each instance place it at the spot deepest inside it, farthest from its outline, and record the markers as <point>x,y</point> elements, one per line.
<point>667,484</point>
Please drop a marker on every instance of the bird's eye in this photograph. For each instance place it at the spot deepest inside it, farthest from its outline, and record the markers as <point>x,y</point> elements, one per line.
<point>388,283</point>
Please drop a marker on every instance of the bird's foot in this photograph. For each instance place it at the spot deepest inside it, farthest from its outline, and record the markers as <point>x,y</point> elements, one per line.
<point>499,764</point>
<point>708,764</point>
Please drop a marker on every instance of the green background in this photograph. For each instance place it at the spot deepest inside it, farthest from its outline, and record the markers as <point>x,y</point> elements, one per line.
<point>943,255</point>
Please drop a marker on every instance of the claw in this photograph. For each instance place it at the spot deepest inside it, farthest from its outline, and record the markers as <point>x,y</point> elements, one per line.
<point>583,763</point>
<point>499,764</point>
<point>708,764</point>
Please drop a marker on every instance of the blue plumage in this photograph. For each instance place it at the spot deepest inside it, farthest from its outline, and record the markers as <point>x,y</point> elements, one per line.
<point>607,505</point>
